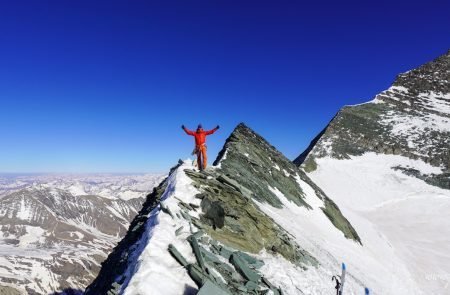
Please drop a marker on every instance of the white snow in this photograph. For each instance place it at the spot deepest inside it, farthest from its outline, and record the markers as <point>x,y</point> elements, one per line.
<point>109,186</point>
<point>383,262</point>
<point>315,233</point>
<point>403,222</point>
<point>34,234</point>
<point>157,272</point>
<point>393,89</point>
<point>24,211</point>
<point>403,124</point>
<point>399,89</point>
<point>413,128</point>
<point>439,102</point>
<point>26,250</point>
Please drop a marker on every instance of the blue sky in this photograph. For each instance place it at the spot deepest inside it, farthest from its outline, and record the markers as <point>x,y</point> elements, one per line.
<point>103,86</point>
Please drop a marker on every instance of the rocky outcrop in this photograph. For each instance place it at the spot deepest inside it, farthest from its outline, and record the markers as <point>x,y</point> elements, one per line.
<point>248,159</point>
<point>411,119</point>
<point>243,226</point>
<point>222,221</point>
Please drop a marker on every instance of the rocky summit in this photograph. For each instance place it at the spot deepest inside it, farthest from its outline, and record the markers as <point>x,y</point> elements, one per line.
<point>411,119</point>
<point>257,223</point>
<point>216,231</point>
<point>250,160</point>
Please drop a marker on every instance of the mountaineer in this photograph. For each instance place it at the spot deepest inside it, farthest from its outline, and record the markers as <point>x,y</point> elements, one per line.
<point>200,144</point>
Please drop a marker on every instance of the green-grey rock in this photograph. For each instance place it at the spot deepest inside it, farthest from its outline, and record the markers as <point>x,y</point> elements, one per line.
<point>210,288</point>
<point>178,231</point>
<point>177,255</point>
<point>244,269</point>
<point>197,252</point>
<point>255,165</point>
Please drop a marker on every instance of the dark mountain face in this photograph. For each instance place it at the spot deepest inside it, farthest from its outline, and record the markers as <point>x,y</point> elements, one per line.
<point>411,119</point>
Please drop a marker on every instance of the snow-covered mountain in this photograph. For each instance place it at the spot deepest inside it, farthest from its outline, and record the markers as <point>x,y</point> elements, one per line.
<point>112,186</point>
<point>386,163</point>
<point>375,196</point>
<point>254,222</point>
<point>56,230</point>
<point>410,119</point>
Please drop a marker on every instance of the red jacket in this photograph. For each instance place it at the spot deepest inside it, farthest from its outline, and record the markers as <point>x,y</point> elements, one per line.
<point>200,135</point>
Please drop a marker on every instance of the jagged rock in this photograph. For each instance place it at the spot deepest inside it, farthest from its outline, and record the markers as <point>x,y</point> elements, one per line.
<point>244,269</point>
<point>197,252</point>
<point>251,286</point>
<point>177,255</point>
<point>200,196</point>
<point>178,231</point>
<point>166,210</point>
<point>209,257</point>
<point>185,215</point>
<point>225,253</point>
<point>251,261</point>
<point>440,180</point>
<point>253,164</point>
<point>209,288</point>
<point>197,274</point>
<point>213,211</point>
<point>256,232</point>
<point>232,225</point>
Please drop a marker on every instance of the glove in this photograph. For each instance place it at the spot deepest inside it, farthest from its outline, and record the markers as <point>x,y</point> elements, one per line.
<point>183,127</point>
<point>217,127</point>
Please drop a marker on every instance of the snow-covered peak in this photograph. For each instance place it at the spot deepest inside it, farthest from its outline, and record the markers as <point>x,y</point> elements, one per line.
<point>386,163</point>
<point>411,118</point>
<point>232,230</point>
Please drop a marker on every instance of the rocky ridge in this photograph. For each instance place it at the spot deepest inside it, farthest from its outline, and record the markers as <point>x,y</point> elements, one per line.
<point>411,119</point>
<point>222,223</point>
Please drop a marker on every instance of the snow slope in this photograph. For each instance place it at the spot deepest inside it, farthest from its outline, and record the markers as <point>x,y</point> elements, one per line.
<point>255,186</point>
<point>156,272</point>
<point>403,221</point>
<point>375,264</point>
<point>386,164</point>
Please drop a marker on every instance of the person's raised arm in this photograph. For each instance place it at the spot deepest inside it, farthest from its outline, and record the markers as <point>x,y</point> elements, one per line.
<point>212,130</point>
<point>188,132</point>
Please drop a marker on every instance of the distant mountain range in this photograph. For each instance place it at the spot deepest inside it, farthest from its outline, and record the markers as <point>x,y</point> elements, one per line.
<point>56,230</point>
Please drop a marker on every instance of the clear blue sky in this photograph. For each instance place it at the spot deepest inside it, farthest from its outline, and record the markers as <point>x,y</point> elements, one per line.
<point>103,86</point>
